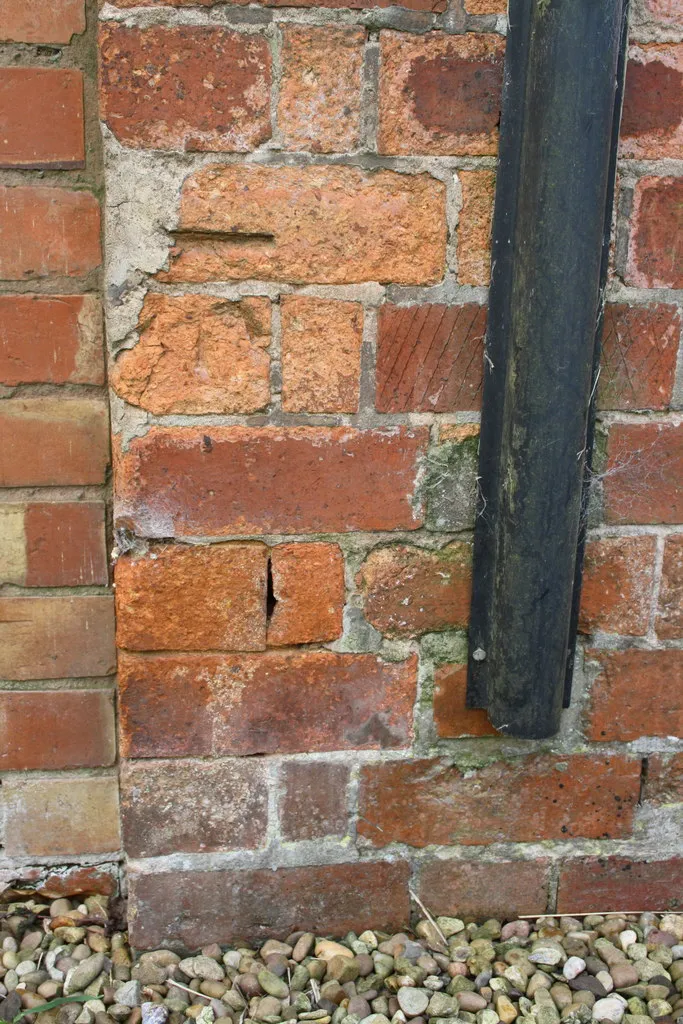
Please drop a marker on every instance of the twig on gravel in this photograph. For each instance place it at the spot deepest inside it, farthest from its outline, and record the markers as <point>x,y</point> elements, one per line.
<point>190,990</point>
<point>429,917</point>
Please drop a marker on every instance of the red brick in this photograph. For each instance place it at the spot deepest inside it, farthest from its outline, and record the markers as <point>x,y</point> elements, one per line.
<point>34,21</point>
<point>65,544</point>
<point>430,358</point>
<point>637,693</point>
<point>486,6</point>
<point>193,807</point>
<point>474,226</point>
<point>440,94</point>
<point>53,441</point>
<point>51,339</point>
<point>320,224</point>
<point>639,348</point>
<point>409,591</point>
<point>74,881</point>
<point>479,890</point>
<point>618,578</point>
<point>452,717</point>
<point>60,816</point>
<point>314,800</point>
<point>669,624</point>
<point>193,598</point>
<point>599,884</point>
<point>56,637</point>
<point>644,471</point>
<point>275,703</point>
<point>41,112</point>
<point>664,779</point>
<point>59,230</point>
<point>320,89</point>
<point>652,122</point>
<point>308,586</point>
<point>52,729</point>
<point>430,6</point>
<point>233,480</point>
<point>655,259</point>
<point>512,801</point>
<point>197,354</point>
<point>196,907</point>
<point>185,88</point>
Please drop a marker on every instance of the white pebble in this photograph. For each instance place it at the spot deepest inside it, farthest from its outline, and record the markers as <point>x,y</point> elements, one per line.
<point>611,1009</point>
<point>627,938</point>
<point>605,979</point>
<point>573,967</point>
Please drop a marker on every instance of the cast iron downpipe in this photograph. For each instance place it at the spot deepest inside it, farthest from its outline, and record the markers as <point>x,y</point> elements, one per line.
<point>564,71</point>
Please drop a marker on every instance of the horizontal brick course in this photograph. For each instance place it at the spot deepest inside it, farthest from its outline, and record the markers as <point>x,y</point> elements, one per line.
<point>644,471</point>
<point>60,816</point>
<point>618,579</point>
<point>59,230</point>
<point>602,883</point>
<point>53,441</point>
<point>34,21</point>
<point>637,693</point>
<point>56,637</point>
<point>51,339</point>
<point>481,890</point>
<point>53,544</point>
<point>41,111</point>
<point>48,729</point>
<point>308,588</point>
<point>431,6</point>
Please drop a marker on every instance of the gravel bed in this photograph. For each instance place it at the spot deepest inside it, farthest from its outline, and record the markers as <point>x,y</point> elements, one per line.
<point>615,967</point>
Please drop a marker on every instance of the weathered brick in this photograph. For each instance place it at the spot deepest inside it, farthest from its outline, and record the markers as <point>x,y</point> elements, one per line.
<point>198,354</point>
<point>59,231</point>
<point>13,555</point>
<point>193,806</point>
<point>408,591</point>
<point>652,118</point>
<point>314,800</point>
<point>196,907</point>
<point>637,693</point>
<point>430,358</point>
<point>669,622</point>
<point>639,348</point>
<point>52,441</point>
<point>234,480</point>
<point>452,717</point>
<point>664,779</point>
<point>440,94</point>
<point>41,111</point>
<point>34,21</point>
<point>321,346</point>
<point>474,226</point>
<point>514,801</point>
<point>644,471</point>
<point>486,6</point>
<point>56,637</point>
<point>52,729</point>
<point>656,231</point>
<point>60,816</point>
<point>602,883</point>
<point>502,889</point>
<point>74,881</point>
<point>458,432</point>
<point>666,12</point>
<point>185,88</point>
<point>430,6</point>
<point>275,703</point>
<point>65,544</point>
<point>51,339</point>
<point>320,89</point>
<point>329,225</point>
<point>309,591</point>
<point>450,482</point>
<point>618,577</point>
<point>192,598</point>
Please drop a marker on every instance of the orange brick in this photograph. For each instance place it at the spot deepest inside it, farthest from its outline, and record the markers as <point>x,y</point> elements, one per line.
<point>644,472</point>
<point>52,729</point>
<point>607,882</point>
<point>308,586</point>
<point>656,230</point>
<point>51,339</point>
<point>321,346</point>
<point>474,226</point>
<point>637,693</point>
<point>59,230</point>
<point>618,577</point>
<point>452,717</point>
<point>60,817</point>
<point>639,348</point>
<point>652,118</point>
<point>41,111</point>
<point>75,881</point>
<point>320,90</point>
<point>56,637</point>
<point>193,598</point>
<point>65,544</point>
<point>53,441</point>
<point>486,6</point>
<point>479,890</point>
<point>669,622</point>
<point>34,21</point>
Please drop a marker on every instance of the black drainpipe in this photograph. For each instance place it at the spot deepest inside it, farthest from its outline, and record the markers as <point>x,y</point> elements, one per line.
<point>564,70</point>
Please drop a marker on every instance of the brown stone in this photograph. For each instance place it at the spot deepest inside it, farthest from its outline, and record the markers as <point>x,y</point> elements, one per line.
<point>408,591</point>
<point>652,118</point>
<point>198,354</point>
<point>656,231</point>
<point>51,339</point>
<point>47,730</point>
<point>644,472</point>
<point>618,578</point>
<point>430,358</point>
<point>34,21</point>
<point>185,87</point>
<point>486,6</point>
<point>193,598</point>
<point>321,346</point>
<point>481,890</point>
<point>607,882</point>
<point>669,624</point>
<point>452,717</point>
<point>59,231</point>
<point>664,779</point>
<point>320,89</point>
<point>76,816</point>
<point>474,226</point>
<point>186,481</point>
<point>193,807</point>
<point>440,94</point>
<point>639,347</point>
<point>45,637</point>
<point>53,441</point>
<point>309,591</point>
<point>637,693</point>
<point>314,800</point>
<point>41,112</point>
<point>65,544</point>
<point>180,705</point>
<point>330,225</point>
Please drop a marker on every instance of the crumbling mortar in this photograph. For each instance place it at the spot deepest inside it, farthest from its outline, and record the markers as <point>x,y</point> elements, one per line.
<point>369,121</point>
<point>275,42</point>
<point>106,683</point>
<point>368,359</point>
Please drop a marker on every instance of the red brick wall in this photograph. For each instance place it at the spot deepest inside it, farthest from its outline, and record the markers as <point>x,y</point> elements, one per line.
<point>297,259</point>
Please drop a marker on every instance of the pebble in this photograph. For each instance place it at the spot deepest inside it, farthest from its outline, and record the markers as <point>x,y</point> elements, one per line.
<point>609,1009</point>
<point>204,967</point>
<point>129,994</point>
<point>154,1013</point>
<point>573,967</point>
<point>413,1001</point>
